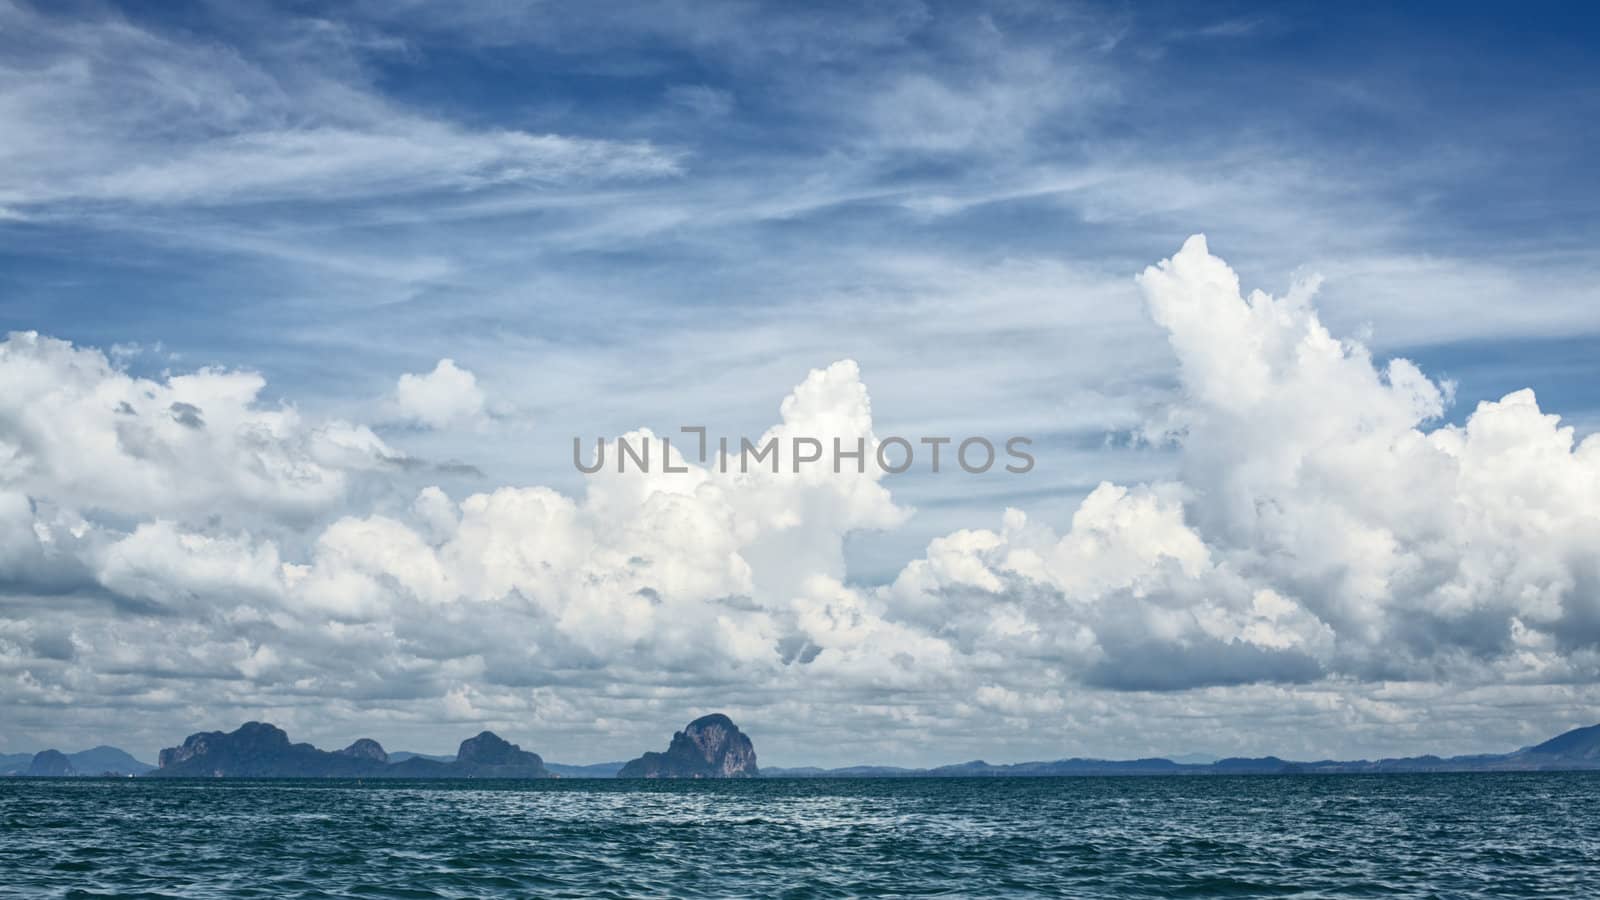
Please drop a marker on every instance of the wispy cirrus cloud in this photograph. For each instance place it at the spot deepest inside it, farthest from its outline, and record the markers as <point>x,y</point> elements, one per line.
<point>108,111</point>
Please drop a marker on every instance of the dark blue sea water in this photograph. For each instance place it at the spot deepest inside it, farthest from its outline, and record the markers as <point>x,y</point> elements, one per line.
<point>1296,836</point>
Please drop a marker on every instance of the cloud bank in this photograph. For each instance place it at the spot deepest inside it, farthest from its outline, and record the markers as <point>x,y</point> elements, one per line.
<point>179,550</point>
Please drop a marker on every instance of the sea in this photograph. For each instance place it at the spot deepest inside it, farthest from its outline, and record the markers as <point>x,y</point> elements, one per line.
<point>1470,835</point>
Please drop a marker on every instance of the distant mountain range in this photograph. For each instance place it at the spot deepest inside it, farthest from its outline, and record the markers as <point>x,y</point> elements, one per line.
<point>98,761</point>
<point>1576,749</point>
<point>593,770</point>
<point>403,755</point>
<point>709,747</point>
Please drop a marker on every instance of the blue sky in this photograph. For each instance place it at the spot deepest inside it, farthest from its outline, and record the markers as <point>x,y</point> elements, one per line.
<point>622,216</point>
<point>1432,167</point>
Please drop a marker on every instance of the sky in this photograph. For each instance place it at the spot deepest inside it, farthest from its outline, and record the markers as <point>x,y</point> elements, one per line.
<point>307,303</point>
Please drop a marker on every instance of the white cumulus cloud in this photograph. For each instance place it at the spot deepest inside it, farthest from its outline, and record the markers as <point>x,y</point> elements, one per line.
<point>449,395</point>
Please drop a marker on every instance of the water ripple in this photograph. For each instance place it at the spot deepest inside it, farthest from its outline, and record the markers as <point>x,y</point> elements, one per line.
<point>1528,835</point>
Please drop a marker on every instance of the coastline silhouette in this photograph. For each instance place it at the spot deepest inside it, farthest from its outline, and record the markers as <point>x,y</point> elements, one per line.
<point>710,747</point>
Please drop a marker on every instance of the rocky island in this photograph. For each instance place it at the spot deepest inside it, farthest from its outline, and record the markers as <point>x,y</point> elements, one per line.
<point>51,764</point>
<point>486,756</point>
<point>260,750</point>
<point>709,747</point>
